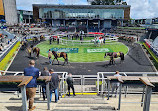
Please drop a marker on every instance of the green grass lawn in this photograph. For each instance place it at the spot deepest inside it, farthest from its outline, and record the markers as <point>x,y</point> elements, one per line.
<point>81,56</point>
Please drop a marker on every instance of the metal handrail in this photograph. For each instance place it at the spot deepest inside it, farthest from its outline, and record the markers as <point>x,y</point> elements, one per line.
<point>102,78</point>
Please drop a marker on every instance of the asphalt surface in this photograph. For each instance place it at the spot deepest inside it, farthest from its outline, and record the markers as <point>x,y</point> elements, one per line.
<point>135,61</point>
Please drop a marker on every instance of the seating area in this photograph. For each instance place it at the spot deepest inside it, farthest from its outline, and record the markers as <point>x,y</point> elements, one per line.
<point>7,42</point>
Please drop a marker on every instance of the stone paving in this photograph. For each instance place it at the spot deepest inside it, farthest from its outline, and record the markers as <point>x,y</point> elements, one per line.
<point>10,102</point>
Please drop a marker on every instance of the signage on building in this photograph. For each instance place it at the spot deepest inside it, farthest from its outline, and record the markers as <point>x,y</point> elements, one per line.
<point>21,16</point>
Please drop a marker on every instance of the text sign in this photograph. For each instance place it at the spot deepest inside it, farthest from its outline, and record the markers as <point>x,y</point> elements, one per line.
<point>66,50</point>
<point>97,50</point>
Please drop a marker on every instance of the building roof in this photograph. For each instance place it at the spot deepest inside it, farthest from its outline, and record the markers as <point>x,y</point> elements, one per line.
<point>82,6</point>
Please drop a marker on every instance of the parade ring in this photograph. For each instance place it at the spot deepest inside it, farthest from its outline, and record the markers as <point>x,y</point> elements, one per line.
<point>83,53</point>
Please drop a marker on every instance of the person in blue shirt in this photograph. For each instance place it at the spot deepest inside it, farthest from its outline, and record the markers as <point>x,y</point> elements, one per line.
<point>31,86</point>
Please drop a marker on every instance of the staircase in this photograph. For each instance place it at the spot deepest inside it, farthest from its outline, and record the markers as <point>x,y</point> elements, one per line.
<point>83,103</point>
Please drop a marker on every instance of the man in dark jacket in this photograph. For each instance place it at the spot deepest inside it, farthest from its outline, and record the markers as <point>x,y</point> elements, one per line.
<point>31,86</point>
<point>45,72</point>
<point>54,85</point>
<point>69,81</point>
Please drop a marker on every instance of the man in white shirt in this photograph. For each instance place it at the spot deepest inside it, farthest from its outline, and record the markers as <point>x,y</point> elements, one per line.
<point>115,85</point>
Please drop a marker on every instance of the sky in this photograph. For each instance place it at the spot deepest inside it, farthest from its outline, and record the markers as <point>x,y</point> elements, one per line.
<point>139,8</point>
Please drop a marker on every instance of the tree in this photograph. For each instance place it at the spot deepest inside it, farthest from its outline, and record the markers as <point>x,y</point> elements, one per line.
<point>105,2</point>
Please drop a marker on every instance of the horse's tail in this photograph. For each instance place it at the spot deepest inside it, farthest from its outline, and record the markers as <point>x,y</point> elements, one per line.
<point>66,58</point>
<point>38,52</point>
<point>122,56</point>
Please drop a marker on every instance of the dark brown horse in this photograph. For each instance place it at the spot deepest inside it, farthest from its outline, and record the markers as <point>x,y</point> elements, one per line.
<point>36,50</point>
<point>58,55</point>
<point>42,38</point>
<point>35,40</point>
<point>24,44</point>
<point>114,55</point>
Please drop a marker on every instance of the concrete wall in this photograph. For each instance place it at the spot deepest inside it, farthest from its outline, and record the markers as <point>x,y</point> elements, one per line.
<point>10,11</point>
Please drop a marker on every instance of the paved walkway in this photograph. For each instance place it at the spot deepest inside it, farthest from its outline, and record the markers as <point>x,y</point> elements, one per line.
<point>135,61</point>
<point>10,102</point>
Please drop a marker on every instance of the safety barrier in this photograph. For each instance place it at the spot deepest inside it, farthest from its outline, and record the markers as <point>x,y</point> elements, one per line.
<point>101,76</point>
<point>87,83</point>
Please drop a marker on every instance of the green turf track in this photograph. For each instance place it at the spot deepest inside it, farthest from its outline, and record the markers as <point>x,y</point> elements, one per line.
<point>81,56</point>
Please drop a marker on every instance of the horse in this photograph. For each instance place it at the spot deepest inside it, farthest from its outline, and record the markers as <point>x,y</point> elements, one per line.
<point>42,38</point>
<point>29,49</point>
<point>36,50</point>
<point>58,55</point>
<point>35,39</point>
<point>24,44</point>
<point>115,55</point>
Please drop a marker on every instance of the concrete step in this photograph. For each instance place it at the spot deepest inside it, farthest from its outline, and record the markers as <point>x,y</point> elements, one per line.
<point>83,103</point>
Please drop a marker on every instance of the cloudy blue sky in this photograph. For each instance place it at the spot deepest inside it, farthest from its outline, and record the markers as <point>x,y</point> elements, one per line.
<point>139,8</point>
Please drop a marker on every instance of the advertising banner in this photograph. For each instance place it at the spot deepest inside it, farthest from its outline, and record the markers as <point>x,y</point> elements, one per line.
<point>1,8</point>
<point>67,50</point>
<point>97,50</point>
<point>21,16</point>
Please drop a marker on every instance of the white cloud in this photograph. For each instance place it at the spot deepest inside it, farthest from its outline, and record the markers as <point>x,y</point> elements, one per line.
<point>143,8</point>
<point>27,4</point>
<point>139,8</point>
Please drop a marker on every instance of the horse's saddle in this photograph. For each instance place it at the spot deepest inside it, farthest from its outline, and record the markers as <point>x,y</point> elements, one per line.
<point>115,54</point>
<point>58,54</point>
<point>118,54</point>
<point>29,50</point>
<point>34,48</point>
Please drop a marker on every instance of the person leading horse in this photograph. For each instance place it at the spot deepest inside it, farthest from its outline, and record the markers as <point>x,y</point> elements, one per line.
<point>114,55</point>
<point>58,55</point>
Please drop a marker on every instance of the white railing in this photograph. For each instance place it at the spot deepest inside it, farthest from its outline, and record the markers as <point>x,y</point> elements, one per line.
<point>101,76</point>
<point>98,82</point>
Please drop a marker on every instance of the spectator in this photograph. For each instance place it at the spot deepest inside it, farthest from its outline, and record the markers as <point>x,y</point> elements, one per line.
<point>50,40</point>
<point>54,85</point>
<point>57,40</point>
<point>115,85</point>
<point>31,86</point>
<point>8,41</point>
<point>69,81</point>
<point>104,40</point>
<point>45,72</point>
<point>50,56</point>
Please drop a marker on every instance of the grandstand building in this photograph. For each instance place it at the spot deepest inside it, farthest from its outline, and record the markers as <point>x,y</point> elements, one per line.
<point>8,11</point>
<point>88,17</point>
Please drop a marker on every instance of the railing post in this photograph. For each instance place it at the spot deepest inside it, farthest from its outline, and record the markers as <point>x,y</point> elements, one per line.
<point>48,95</point>
<point>102,87</point>
<point>98,83</point>
<point>82,84</point>
<point>24,100</point>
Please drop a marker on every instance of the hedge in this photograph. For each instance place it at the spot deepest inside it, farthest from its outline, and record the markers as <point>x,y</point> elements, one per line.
<point>8,57</point>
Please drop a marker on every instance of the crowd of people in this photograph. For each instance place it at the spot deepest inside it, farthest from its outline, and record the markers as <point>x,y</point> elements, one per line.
<point>53,84</point>
<point>4,41</point>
